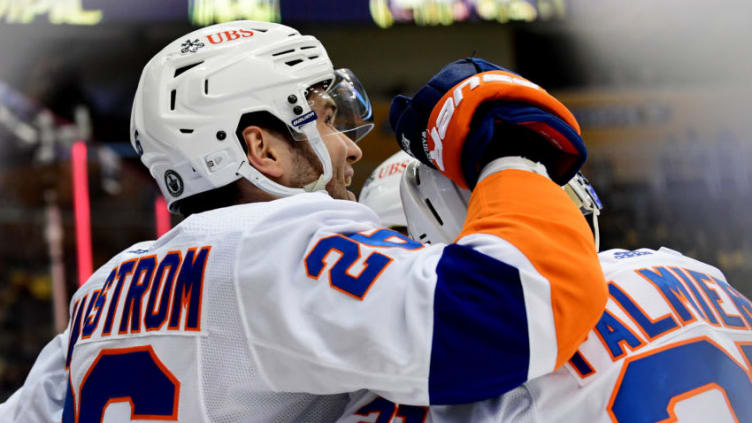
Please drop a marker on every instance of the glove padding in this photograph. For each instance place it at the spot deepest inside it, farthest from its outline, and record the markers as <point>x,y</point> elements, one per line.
<point>462,118</point>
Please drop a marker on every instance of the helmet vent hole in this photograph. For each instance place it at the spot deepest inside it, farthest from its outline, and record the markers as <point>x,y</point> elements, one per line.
<point>307,47</point>
<point>433,211</point>
<point>186,131</point>
<point>313,57</point>
<point>182,69</point>
<point>173,94</point>
<point>206,86</point>
<point>279,53</point>
<point>259,29</point>
<point>293,62</point>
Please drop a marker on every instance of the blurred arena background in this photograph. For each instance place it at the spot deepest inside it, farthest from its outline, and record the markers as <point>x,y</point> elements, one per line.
<point>662,90</point>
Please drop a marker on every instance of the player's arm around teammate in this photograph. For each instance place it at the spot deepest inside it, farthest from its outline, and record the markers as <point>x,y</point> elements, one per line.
<point>659,352</point>
<point>510,300</point>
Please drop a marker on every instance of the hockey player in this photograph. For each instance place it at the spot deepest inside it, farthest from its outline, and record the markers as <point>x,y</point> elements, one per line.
<point>274,298</point>
<point>674,343</point>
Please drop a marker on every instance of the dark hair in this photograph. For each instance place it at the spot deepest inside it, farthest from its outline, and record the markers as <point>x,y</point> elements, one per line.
<point>230,194</point>
<point>264,120</point>
<point>216,198</point>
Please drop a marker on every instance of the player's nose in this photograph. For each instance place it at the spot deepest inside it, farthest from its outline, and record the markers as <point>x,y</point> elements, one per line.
<point>354,153</point>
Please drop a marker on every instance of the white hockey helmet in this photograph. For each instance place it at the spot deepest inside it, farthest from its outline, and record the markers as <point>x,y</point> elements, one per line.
<point>381,191</point>
<point>193,93</point>
<point>435,208</point>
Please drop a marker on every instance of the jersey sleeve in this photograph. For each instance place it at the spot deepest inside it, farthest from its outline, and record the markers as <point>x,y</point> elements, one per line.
<point>555,279</point>
<point>331,303</point>
<point>41,398</point>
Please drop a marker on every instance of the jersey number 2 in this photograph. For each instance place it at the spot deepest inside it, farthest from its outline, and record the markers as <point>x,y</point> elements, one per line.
<point>341,275</point>
<point>651,384</point>
<point>133,375</point>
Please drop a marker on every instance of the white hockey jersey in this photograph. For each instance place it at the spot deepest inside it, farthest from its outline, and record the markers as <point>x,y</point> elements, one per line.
<point>674,344</point>
<point>273,312</point>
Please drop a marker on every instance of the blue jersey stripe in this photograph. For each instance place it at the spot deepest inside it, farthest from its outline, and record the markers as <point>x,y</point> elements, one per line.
<point>480,344</point>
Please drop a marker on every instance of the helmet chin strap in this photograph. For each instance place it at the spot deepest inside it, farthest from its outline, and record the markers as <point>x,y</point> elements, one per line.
<point>317,185</point>
<point>319,148</point>
<point>264,183</point>
<point>267,185</point>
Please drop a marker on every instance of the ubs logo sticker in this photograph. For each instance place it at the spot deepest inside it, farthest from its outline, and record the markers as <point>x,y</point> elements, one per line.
<point>221,37</point>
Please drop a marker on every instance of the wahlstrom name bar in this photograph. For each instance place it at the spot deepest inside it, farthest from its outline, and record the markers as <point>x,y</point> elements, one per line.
<point>173,286</point>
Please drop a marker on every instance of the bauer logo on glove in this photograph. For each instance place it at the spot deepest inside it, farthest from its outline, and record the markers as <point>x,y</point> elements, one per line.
<point>473,111</point>
<point>445,115</point>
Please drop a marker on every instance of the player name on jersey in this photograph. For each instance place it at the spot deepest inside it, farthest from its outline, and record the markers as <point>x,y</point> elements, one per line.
<point>172,287</point>
<point>691,295</point>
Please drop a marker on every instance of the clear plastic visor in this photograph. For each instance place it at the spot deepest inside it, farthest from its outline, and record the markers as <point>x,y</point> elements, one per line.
<point>341,107</point>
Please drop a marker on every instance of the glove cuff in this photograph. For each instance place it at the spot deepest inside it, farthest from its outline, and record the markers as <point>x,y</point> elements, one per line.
<point>512,162</point>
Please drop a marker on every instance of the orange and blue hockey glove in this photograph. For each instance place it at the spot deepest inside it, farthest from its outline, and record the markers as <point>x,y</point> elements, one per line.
<point>474,111</point>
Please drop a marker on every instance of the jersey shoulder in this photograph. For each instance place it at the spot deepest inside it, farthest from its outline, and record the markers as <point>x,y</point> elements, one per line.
<point>615,260</point>
<point>306,209</point>
<point>98,277</point>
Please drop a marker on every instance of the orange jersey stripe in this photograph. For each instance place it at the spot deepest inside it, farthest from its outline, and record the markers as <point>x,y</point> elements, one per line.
<point>536,216</point>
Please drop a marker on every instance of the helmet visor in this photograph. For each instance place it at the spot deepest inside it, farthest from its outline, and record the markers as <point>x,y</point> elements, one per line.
<point>342,106</point>
<point>354,116</point>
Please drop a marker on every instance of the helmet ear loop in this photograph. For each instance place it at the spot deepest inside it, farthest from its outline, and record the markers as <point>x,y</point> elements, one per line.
<point>587,204</point>
<point>322,153</point>
<point>591,205</point>
<point>596,231</point>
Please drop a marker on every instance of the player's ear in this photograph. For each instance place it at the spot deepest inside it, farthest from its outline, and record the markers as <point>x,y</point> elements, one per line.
<point>265,150</point>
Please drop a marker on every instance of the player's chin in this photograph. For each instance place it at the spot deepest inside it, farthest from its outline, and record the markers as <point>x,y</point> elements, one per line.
<point>340,192</point>
<point>345,194</point>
